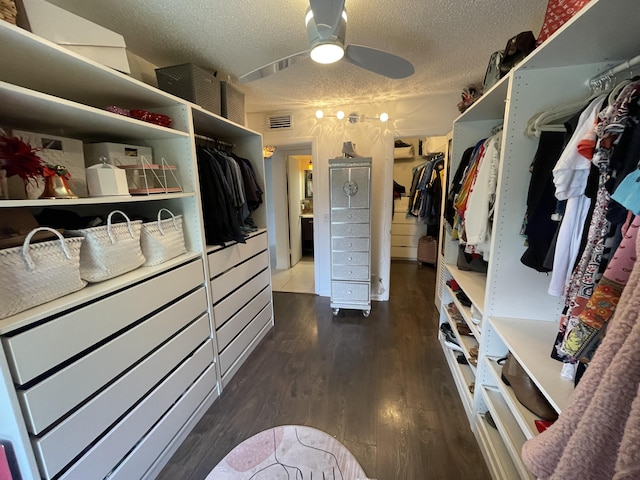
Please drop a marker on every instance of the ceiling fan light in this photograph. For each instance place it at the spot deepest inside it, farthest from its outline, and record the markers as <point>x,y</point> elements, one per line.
<point>326,53</point>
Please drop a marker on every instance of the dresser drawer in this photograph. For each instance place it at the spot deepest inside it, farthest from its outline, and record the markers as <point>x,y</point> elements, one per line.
<point>224,310</point>
<point>350,244</point>
<point>350,215</point>
<point>350,230</point>
<point>39,349</point>
<point>350,258</point>
<point>236,324</point>
<point>224,284</point>
<point>349,292</point>
<point>350,187</point>
<point>222,260</point>
<point>350,272</point>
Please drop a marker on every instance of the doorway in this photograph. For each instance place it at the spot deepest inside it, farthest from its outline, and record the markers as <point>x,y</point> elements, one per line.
<point>289,183</point>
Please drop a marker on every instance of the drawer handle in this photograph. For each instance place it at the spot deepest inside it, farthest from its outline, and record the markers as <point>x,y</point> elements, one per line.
<point>350,272</point>
<point>350,258</point>
<point>351,244</point>
<point>349,292</point>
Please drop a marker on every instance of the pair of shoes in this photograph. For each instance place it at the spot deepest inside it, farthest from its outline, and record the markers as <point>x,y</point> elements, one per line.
<point>463,299</point>
<point>473,356</point>
<point>461,359</point>
<point>542,425</point>
<point>472,387</point>
<point>453,285</point>
<point>463,328</point>
<point>489,419</point>
<point>349,150</point>
<point>450,339</point>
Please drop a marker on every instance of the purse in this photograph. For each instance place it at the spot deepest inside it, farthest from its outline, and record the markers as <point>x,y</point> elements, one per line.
<point>110,250</point>
<point>492,74</point>
<point>471,261</point>
<point>31,275</point>
<point>162,240</point>
<point>517,49</point>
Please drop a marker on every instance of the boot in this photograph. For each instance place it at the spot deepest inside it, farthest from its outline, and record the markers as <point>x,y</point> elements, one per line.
<point>348,149</point>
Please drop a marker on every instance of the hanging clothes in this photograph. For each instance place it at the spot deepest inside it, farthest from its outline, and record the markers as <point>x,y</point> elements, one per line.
<point>425,196</point>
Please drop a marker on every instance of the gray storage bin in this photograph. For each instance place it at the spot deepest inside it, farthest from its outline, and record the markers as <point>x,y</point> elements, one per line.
<point>232,103</point>
<point>192,83</point>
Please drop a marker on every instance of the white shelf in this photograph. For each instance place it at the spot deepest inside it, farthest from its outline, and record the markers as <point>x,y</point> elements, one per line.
<point>121,199</point>
<point>473,284</point>
<point>495,453</point>
<point>491,104</point>
<point>463,376</point>
<point>530,342</point>
<point>73,120</point>
<point>508,427</point>
<point>465,312</point>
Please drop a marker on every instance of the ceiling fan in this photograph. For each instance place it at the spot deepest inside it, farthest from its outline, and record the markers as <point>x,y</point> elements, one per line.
<point>326,22</point>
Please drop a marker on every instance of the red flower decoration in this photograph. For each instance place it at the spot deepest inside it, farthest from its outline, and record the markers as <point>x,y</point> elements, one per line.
<point>19,158</point>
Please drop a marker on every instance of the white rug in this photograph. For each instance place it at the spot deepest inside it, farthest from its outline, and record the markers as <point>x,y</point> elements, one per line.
<point>290,452</point>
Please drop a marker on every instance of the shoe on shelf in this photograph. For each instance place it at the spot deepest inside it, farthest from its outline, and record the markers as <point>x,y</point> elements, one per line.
<point>463,328</point>
<point>462,360</point>
<point>463,299</point>
<point>450,339</point>
<point>473,361</point>
<point>453,285</point>
<point>489,419</point>
<point>473,351</point>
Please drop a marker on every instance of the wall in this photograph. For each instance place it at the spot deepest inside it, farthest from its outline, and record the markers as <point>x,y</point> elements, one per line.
<point>424,116</point>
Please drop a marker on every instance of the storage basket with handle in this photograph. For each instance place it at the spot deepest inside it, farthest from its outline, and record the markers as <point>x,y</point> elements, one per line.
<point>162,240</point>
<point>34,274</point>
<point>110,250</point>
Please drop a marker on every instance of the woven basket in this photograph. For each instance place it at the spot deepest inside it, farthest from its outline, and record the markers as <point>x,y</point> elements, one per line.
<point>34,274</point>
<point>8,11</point>
<point>162,240</point>
<point>110,250</point>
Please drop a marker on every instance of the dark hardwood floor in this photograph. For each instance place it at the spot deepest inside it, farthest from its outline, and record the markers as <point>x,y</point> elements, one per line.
<point>380,385</point>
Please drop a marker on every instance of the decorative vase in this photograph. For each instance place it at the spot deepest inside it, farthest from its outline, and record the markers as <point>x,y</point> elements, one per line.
<point>56,186</point>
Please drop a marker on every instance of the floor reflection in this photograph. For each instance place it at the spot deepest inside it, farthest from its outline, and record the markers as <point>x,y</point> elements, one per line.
<point>298,279</point>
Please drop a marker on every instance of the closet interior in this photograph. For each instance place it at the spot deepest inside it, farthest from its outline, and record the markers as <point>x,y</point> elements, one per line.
<point>418,176</point>
<point>107,381</point>
<point>491,303</point>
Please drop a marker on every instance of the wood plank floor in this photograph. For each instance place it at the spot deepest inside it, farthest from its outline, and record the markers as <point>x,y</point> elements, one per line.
<point>380,385</point>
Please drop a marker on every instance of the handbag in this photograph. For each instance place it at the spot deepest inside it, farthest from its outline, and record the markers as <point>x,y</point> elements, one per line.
<point>517,49</point>
<point>162,240</point>
<point>471,261</point>
<point>35,274</point>
<point>110,250</point>
<point>557,14</point>
<point>492,74</point>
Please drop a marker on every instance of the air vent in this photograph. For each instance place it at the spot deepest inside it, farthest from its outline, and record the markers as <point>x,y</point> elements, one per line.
<point>279,121</point>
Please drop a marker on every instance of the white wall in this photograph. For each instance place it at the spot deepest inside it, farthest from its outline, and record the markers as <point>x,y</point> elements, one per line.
<point>423,116</point>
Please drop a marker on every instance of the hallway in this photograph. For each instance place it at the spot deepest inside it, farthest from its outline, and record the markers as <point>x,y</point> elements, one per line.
<point>380,385</point>
<point>297,279</point>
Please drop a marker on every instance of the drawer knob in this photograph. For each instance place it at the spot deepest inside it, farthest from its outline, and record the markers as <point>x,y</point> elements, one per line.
<point>350,258</point>
<point>349,292</point>
<point>351,244</point>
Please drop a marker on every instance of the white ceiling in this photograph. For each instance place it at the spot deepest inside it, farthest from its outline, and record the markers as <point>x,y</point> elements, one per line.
<point>448,41</point>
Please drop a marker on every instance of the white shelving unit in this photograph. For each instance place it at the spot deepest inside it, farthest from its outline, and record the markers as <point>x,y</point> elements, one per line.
<point>109,380</point>
<point>518,315</point>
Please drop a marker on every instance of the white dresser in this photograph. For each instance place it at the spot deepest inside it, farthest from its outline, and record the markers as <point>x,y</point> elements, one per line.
<point>350,184</point>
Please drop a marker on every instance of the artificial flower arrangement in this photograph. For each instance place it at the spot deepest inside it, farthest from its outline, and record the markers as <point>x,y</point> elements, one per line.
<point>19,158</point>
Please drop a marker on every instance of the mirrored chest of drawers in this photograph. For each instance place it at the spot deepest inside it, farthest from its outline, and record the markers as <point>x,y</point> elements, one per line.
<point>350,185</point>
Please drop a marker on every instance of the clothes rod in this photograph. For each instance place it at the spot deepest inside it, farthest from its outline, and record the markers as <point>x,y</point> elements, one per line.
<point>214,140</point>
<point>601,78</point>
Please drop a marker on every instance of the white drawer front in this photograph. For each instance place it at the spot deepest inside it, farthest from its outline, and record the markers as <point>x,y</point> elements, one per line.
<point>228,282</point>
<point>350,258</point>
<point>350,272</point>
<point>71,437</point>
<point>349,292</point>
<point>222,260</point>
<point>404,252</point>
<point>39,349</point>
<point>113,447</point>
<point>404,241</point>
<point>405,229</point>
<point>48,400</point>
<point>241,319</point>
<point>241,342</point>
<point>360,244</point>
<point>224,310</point>
<point>350,215</point>
<point>350,230</point>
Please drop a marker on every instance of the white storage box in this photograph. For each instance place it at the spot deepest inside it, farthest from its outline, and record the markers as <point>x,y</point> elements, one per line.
<point>56,151</point>
<point>116,154</point>
<point>75,33</point>
<point>105,179</point>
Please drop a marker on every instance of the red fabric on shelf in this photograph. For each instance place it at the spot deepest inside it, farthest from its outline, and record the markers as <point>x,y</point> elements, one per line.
<point>557,14</point>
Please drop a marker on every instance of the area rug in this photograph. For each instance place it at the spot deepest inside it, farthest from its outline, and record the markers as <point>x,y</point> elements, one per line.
<point>290,452</point>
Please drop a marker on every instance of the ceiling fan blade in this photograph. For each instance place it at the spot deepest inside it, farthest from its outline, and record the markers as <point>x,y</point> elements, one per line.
<point>326,13</point>
<point>378,61</point>
<point>274,67</point>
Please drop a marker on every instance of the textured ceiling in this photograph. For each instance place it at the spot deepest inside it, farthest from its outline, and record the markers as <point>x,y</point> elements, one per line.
<point>448,41</point>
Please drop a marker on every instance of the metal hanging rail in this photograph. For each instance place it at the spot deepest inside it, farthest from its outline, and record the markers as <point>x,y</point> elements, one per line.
<point>601,80</point>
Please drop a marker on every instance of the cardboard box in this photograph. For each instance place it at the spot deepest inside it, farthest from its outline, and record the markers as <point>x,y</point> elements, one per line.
<point>57,151</point>
<point>73,32</point>
<point>116,154</point>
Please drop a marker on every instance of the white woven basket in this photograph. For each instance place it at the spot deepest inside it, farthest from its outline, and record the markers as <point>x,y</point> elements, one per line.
<point>34,274</point>
<point>162,240</point>
<point>110,250</point>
